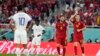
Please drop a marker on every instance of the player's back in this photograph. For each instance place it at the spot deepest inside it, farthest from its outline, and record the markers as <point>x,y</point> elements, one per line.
<point>21,20</point>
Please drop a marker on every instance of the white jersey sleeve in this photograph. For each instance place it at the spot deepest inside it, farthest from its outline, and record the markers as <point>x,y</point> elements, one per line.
<point>42,28</point>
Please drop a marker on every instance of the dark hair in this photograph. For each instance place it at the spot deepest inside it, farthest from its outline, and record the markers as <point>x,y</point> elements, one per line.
<point>37,21</point>
<point>19,7</point>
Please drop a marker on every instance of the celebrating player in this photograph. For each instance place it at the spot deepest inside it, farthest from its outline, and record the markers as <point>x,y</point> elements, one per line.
<point>20,21</point>
<point>79,26</point>
<point>61,34</point>
<point>38,31</point>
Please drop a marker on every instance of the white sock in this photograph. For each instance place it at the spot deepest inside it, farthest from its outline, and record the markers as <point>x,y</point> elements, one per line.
<point>31,51</point>
<point>17,51</point>
<point>38,50</point>
<point>26,52</point>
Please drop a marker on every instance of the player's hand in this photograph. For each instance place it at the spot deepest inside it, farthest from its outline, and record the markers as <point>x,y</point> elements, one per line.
<point>39,35</point>
<point>76,12</point>
<point>78,30</point>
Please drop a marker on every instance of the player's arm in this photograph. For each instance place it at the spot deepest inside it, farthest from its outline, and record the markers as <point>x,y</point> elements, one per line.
<point>29,26</point>
<point>82,29</point>
<point>11,24</point>
<point>55,26</point>
<point>67,29</point>
<point>72,16</point>
<point>32,33</point>
<point>43,32</point>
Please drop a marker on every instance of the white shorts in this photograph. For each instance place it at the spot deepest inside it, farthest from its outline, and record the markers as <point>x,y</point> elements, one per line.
<point>20,37</point>
<point>36,40</point>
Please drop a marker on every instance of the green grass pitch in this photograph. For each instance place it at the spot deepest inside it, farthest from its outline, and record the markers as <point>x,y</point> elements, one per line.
<point>22,55</point>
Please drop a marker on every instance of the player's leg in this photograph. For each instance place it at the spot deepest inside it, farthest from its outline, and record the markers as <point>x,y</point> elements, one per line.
<point>33,43</point>
<point>25,51</point>
<point>64,50</point>
<point>58,49</point>
<point>82,47</point>
<point>17,42</point>
<point>64,44</point>
<point>24,41</point>
<point>75,48</point>
<point>38,43</point>
<point>38,50</point>
<point>58,41</point>
<point>18,52</point>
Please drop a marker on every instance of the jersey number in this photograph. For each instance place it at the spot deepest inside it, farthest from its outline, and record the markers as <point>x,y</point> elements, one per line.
<point>21,21</point>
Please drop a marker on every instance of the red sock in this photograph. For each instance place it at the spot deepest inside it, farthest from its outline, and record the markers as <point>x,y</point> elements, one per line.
<point>75,50</point>
<point>64,51</point>
<point>58,50</point>
<point>82,48</point>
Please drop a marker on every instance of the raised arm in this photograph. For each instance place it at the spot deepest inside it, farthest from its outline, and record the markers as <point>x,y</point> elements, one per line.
<point>72,16</point>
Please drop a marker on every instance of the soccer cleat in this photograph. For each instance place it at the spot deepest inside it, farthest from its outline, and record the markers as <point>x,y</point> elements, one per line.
<point>18,54</point>
<point>26,53</point>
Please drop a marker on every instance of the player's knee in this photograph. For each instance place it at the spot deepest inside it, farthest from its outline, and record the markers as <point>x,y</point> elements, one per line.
<point>24,45</point>
<point>81,43</point>
<point>64,46</point>
<point>75,43</point>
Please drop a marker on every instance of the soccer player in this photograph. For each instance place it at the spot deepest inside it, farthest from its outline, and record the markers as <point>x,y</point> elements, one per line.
<point>61,34</point>
<point>78,26</point>
<point>38,31</point>
<point>20,21</point>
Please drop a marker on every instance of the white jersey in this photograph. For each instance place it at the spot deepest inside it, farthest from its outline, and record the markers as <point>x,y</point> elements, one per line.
<point>21,20</point>
<point>37,30</point>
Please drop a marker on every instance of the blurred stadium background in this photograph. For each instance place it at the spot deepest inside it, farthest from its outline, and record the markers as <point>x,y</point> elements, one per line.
<point>48,11</point>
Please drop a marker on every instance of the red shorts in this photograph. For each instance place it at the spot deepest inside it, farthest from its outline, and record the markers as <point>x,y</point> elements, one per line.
<point>77,37</point>
<point>61,41</point>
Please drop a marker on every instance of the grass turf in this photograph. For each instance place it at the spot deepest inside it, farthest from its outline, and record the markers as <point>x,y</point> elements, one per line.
<point>41,55</point>
<point>22,55</point>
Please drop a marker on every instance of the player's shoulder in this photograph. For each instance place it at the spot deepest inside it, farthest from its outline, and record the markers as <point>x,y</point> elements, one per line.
<point>39,26</point>
<point>22,13</point>
<point>34,25</point>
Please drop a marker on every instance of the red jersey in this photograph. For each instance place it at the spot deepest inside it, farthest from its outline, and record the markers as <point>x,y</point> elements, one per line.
<point>78,25</point>
<point>61,29</point>
<point>77,36</point>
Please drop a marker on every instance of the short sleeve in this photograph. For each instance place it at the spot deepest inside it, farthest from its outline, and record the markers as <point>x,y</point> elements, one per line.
<point>42,28</point>
<point>33,27</point>
<point>29,18</point>
<point>13,17</point>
